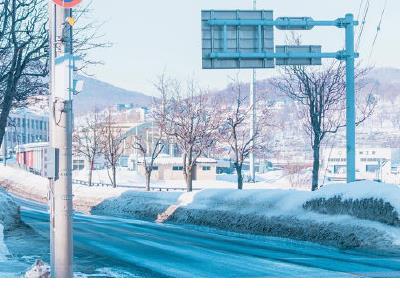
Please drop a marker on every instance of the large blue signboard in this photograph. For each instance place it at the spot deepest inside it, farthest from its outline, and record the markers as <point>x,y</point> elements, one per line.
<point>235,39</point>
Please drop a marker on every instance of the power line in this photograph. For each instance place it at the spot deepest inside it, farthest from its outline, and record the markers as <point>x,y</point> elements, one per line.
<point>366,9</point>
<point>378,30</point>
<point>359,9</point>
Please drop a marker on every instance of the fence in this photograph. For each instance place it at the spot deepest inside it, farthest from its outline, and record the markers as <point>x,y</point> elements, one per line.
<point>155,188</point>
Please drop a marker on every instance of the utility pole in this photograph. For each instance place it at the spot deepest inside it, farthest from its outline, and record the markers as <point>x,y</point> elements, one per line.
<point>253,100</point>
<point>350,100</point>
<point>61,126</point>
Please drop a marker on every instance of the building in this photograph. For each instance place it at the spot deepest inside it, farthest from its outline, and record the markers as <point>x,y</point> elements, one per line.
<point>381,164</point>
<point>26,126</point>
<point>171,168</point>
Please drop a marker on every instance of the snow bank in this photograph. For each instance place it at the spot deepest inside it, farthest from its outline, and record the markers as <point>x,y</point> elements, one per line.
<point>9,219</point>
<point>358,215</point>
<point>9,212</point>
<point>280,214</point>
<point>136,204</point>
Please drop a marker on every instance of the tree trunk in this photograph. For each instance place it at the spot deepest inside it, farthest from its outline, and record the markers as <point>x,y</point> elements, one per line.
<point>148,178</point>
<point>189,180</point>
<point>114,174</point>
<point>315,170</point>
<point>5,111</point>
<point>91,172</point>
<point>239,176</point>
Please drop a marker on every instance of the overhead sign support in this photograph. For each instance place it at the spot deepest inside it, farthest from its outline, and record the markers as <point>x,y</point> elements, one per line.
<point>245,40</point>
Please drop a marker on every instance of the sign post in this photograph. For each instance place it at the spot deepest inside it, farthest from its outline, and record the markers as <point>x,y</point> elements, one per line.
<point>61,127</point>
<point>236,39</point>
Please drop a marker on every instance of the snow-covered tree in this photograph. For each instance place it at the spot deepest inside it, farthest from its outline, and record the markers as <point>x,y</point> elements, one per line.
<point>235,128</point>
<point>321,91</point>
<point>87,141</point>
<point>149,151</point>
<point>188,117</point>
<point>112,145</point>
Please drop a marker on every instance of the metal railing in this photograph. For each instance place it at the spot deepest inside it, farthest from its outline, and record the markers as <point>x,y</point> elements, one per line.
<point>136,187</point>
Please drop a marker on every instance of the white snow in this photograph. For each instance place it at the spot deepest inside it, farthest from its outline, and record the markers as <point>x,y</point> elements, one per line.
<point>3,248</point>
<point>279,213</point>
<point>9,217</point>
<point>31,186</point>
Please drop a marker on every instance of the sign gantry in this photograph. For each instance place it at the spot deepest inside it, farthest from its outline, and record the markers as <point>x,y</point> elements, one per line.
<point>244,39</point>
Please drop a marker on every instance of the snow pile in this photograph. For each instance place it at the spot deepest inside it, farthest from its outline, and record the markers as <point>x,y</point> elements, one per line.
<point>136,204</point>
<point>9,219</point>
<point>39,270</point>
<point>280,213</point>
<point>3,248</point>
<point>364,200</point>
<point>358,215</point>
<point>9,212</point>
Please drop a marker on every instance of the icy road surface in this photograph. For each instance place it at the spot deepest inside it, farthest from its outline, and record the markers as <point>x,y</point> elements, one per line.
<point>114,247</point>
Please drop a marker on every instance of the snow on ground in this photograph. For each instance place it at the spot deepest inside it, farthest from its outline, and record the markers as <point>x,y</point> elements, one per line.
<point>9,218</point>
<point>273,179</point>
<point>30,186</point>
<point>280,213</point>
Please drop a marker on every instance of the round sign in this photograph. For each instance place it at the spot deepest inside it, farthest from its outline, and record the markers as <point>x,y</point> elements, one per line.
<point>67,3</point>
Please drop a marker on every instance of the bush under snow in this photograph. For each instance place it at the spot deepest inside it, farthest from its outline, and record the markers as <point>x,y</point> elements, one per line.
<point>357,215</point>
<point>364,200</point>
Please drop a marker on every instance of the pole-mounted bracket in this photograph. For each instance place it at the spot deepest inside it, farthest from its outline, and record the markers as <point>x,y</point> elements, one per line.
<point>343,55</point>
<point>343,22</point>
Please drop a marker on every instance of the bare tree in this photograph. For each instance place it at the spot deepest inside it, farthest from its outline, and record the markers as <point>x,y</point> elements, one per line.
<point>322,95</point>
<point>112,145</point>
<point>87,141</point>
<point>23,44</point>
<point>188,117</point>
<point>235,130</point>
<point>24,58</point>
<point>149,151</point>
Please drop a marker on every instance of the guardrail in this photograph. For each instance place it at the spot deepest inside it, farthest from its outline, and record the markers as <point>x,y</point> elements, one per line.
<point>136,187</point>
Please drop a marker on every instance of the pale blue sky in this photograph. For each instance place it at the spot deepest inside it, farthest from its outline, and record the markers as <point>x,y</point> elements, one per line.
<point>156,35</point>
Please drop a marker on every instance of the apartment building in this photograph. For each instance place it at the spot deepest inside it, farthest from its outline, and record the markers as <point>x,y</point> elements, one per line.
<point>371,164</point>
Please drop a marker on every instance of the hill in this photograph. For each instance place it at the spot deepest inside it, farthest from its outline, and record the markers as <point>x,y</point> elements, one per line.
<point>100,95</point>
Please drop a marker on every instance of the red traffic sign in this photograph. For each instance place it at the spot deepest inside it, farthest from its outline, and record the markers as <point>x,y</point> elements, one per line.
<point>67,3</point>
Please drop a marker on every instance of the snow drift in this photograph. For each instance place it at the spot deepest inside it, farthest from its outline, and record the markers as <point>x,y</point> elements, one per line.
<point>358,215</point>
<point>9,212</point>
<point>9,219</point>
<point>140,205</point>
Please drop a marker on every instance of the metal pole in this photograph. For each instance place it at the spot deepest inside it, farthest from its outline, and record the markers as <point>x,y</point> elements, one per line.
<point>61,122</point>
<point>350,100</point>
<point>253,95</point>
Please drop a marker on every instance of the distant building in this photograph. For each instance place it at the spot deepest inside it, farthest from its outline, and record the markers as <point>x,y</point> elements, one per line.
<point>371,164</point>
<point>171,168</point>
<point>26,126</point>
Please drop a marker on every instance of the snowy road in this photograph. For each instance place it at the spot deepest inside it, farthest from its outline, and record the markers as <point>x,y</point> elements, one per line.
<point>106,246</point>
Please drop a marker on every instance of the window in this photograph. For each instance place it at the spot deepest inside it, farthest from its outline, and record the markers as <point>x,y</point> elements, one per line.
<point>177,168</point>
<point>206,168</point>
<point>155,168</point>
<point>371,168</point>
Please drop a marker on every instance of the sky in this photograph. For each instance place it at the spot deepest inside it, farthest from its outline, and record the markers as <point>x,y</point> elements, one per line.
<point>158,36</point>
